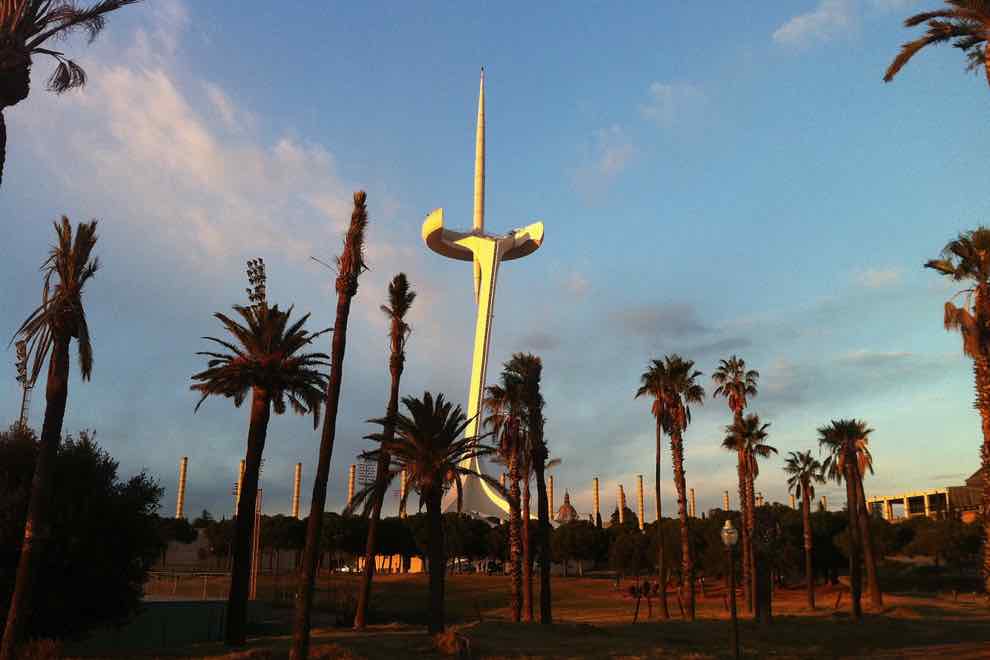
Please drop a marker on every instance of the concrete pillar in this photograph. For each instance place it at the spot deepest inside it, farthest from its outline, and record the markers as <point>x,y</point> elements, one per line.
<point>351,475</point>
<point>693,511</point>
<point>725,500</point>
<point>622,505</point>
<point>550,496</point>
<point>888,511</point>
<point>907,507</point>
<point>296,483</point>
<point>928,509</point>
<point>598,511</point>
<point>793,501</point>
<point>180,500</point>
<point>642,502</point>
<point>825,502</point>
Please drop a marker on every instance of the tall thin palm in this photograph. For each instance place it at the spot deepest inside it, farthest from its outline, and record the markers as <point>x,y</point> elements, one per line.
<point>747,438</point>
<point>966,23</point>
<point>651,384</point>
<point>428,444</point>
<point>528,371</point>
<point>738,385</point>
<point>400,299</point>
<point>265,359</point>
<point>25,27</point>
<point>678,391</point>
<point>967,260</point>
<point>841,441</point>
<point>504,404</point>
<point>350,265</point>
<point>804,471</point>
<point>60,318</point>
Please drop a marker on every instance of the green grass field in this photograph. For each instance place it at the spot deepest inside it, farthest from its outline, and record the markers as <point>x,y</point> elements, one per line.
<point>594,621</point>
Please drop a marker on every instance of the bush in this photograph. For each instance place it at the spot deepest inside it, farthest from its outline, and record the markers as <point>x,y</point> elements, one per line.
<point>105,536</point>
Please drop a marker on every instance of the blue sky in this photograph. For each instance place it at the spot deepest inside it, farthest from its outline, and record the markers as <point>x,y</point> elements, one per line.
<point>711,182</point>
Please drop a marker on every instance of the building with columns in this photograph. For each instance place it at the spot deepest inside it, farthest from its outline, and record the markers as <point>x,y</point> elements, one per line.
<point>949,501</point>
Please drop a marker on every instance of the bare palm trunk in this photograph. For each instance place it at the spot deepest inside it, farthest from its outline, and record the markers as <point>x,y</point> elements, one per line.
<point>346,286</point>
<point>809,574</point>
<point>981,369</point>
<point>855,551</point>
<point>515,542</point>
<point>747,581</point>
<point>664,610</point>
<point>240,574</point>
<point>388,432</point>
<point>437,561</point>
<point>37,527</point>
<point>687,563</point>
<point>869,552</point>
<point>543,515</point>
<point>527,550</point>
<point>751,533</point>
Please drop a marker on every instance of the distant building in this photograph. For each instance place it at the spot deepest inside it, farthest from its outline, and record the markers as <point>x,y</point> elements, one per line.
<point>566,513</point>
<point>961,502</point>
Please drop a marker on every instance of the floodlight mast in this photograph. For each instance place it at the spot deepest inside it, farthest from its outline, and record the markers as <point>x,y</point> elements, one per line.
<point>27,383</point>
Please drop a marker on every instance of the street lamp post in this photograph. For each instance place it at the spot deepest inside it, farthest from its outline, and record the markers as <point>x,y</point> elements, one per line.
<point>729,538</point>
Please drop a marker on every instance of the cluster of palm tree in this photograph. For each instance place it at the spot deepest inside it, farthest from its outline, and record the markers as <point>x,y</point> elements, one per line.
<point>515,417</point>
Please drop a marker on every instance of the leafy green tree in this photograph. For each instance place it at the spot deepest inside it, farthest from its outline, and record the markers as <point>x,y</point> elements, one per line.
<point>967,260</point>
<point>966,23</point>
<point>627,554</point>
<point>51,327</point>
<point>174,529</point>
<point>26,27</point>
<point>266,359</point>
<point>91,504</point>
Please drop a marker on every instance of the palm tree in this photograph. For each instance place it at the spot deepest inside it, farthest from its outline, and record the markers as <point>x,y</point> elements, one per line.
<point>747,438</point>
<point>427,444</point>
<point>966,23</point>
<point>737,385</point>
<point>400,298</point>
<point>967,259</point>
<point>25,26</point>
<point>805,471</point>
<point>678,389</point>
<point>265,360</point>
<point>651,385</point>
<point>504,404</point>
<point>528,370</point>
<point>842,440</point>
<point>51,327</point>
<point>853,444</point>
<point>350,265</point>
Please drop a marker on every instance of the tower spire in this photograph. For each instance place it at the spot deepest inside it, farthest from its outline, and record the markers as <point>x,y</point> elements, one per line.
<point>479,161</point>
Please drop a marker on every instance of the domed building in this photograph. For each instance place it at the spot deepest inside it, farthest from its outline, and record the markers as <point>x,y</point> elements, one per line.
<point>566,513</point>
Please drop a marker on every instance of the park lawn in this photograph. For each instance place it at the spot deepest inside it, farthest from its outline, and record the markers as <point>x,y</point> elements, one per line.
<point>594,621</point>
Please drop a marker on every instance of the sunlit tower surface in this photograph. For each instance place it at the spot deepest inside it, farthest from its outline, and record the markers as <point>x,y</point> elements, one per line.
<point>27,383</point>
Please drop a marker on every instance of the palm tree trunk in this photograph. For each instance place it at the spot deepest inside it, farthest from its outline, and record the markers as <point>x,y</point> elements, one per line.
<point>809,574</point>
<point>381,481</point>
<point>527,551</point>
<point>751,532</point>
<point>543,515</point>
<point>855,551</point>
<point>437,561</point>
<point>515,542</point>
<point>869,551</point>
<point>981,369</point>
<point>314,525</point>
<point>664,611</point>
<point>37,527</point>
<point>746,580</point>
<point>687,564</point>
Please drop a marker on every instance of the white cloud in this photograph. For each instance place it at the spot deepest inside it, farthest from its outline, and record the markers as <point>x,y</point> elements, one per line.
<point>180,157</point>
<point>668,102</point>
<point>577,283</point>
<point>830,19</point>
<point>614,149</point>
<point>878,278</point>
